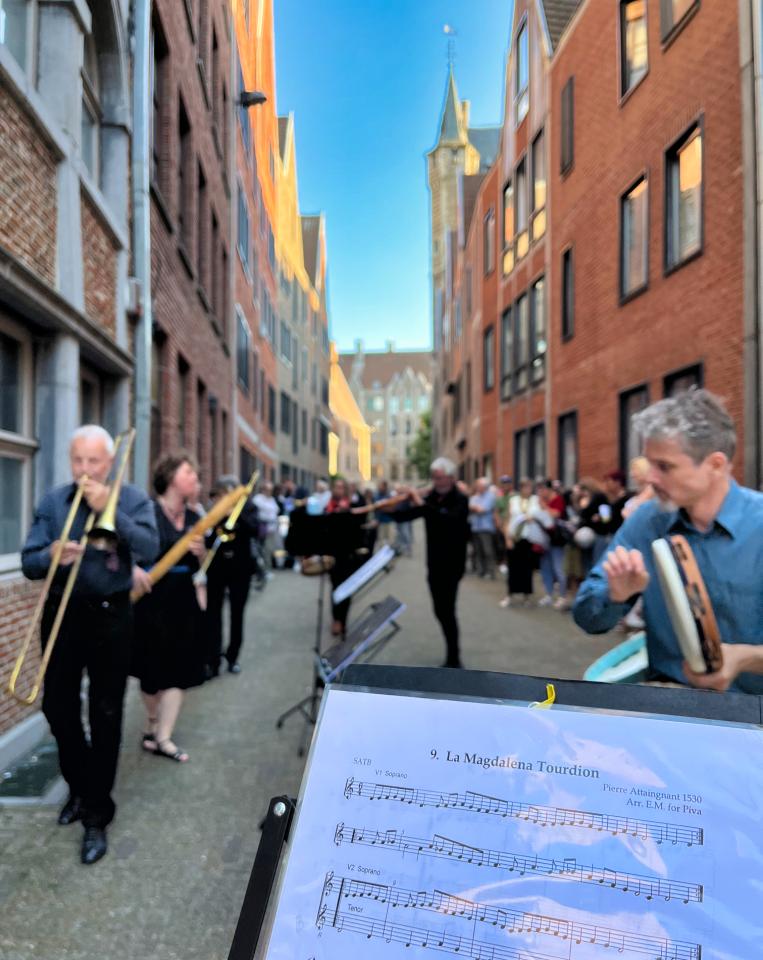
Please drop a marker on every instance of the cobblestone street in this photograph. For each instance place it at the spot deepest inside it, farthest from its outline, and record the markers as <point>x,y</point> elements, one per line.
<point>185,836</point>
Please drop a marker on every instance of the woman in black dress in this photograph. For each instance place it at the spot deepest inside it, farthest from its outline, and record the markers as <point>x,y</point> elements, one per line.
<point>169,628</point>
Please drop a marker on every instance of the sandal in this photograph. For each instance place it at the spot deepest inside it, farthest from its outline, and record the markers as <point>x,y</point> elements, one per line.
<point>179,756</point>
<point>148,740</point>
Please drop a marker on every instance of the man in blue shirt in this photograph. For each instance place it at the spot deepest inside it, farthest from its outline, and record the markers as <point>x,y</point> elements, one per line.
<point>96,631</point>
<point>689,441</point>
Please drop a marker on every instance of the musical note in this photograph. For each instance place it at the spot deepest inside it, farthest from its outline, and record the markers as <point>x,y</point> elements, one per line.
<point>567,869</point>
<point>500,918</point>
<point>655,830</point>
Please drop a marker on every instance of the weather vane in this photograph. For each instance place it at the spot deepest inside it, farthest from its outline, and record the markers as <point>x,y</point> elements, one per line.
<point>450,33</point>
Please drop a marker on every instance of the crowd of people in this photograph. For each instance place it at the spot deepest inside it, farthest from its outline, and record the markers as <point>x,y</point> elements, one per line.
<point>590,544</point>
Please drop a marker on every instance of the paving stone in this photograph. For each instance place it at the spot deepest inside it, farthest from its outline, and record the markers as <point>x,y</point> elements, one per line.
<point>184,840</point>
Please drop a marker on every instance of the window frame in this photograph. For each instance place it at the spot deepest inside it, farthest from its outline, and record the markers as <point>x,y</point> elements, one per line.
<point>641,389</point>
<point>567,312</point>
<point>670,157</point>
<point>626,93</point>
<point>624,296</point>
<point>521,366</point>
<point>569,416</point>
<point>488,354</point>
<point>538,213</point>
<point>243,349</point>
<point>507,246</point>
<point>534,354</point>
<point>669,31</point>
<point>521,95</point>
<point>488,242</point>
<point>521,231</point>
<point>507,353</point>
<point>20,444</point>
<point>567,112</point>
<point>674,375</point>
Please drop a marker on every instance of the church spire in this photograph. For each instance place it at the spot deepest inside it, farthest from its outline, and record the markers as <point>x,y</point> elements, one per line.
<point>452,127</point>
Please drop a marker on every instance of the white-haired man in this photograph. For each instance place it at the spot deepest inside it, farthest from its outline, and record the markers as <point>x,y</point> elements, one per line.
<point>689,441</point>
<point>96,631</point>
<point>446,514</point>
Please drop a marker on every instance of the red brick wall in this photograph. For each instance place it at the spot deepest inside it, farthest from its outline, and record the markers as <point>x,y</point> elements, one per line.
<point>17,599</point>
<point>27,192</point>
<point>191,317</point>
<point>693,315</point>
<point>100,268</point>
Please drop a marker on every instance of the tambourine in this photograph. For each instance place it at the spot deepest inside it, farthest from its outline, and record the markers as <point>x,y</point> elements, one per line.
<point>314,566</point>
<point>688,603</point>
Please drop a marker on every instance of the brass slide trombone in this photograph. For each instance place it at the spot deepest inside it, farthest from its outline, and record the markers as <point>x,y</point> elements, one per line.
<point>100,531</point>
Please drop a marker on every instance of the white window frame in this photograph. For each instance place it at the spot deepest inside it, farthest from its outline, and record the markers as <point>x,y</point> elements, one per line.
<point>21,446</point>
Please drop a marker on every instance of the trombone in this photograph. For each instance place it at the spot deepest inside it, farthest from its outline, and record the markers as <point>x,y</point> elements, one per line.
<point>226,532</point>
<point>100,532</point>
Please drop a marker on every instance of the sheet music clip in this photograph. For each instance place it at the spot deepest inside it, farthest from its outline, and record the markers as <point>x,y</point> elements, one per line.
<point>550,698</point>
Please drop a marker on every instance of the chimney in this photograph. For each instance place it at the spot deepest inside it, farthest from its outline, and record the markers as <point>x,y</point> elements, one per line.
<point>390,346</point>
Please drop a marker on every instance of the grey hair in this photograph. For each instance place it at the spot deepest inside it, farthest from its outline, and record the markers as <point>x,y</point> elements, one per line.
<point>696,419</point>
<point>447,466</point>
<point>91,431</point>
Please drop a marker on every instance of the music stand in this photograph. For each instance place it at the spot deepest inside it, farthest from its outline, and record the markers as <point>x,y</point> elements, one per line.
<point>686,702</point>
<point>324,535</point>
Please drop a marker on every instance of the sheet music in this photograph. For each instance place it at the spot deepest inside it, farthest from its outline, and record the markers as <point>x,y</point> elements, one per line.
<point>497,832</point>
<point>362,575</point>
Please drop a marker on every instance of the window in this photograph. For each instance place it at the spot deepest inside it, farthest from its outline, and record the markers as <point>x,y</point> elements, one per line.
<point>682,380</point>
<point>16,445</point>
<point>568,127</point>
<point>521,454</point>
<point>521,209</point>
<point>567,436</point>
<point>285,342</point>
<point>521,75</point>
<point>507,354</point>
<point>285,413</point>
<point>91,109</point>
<point>508,228</point>
<point>13,32</point>
<point>468,292</point>
<point>157,378</point>
<point>631,401</point>
<point>202,226</point>
<point>488,359</point>
<point>408,403</point>
<point>325,391</point>
<point>538,335</point>
<point>304,427</point>
<point>243,348</point>
<point>243,229</point>
<point>378,403</point>
<point>488,245</point>
<point>324,447</point>
<point>634,235</point>
<point>538,195</point>
<point>214,292</point>
<point>521,343</point>
<point>271,409</point>
<point>568,294</point>
<point>673,15</point>
<point>243,116</point>
<point>200,396</point>
<point>90,395</point>
<point>393,426</point>
<point>158,98</point>
<point>530,452</point>
<point>182,400</point>
<point>634,57</point>
<point>184,217</point>
<point>683,199</point>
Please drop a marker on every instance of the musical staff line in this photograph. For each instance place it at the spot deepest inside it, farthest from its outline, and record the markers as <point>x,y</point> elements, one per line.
<point>543,816</point>
<point>562,868</point>
<point>516,921</point>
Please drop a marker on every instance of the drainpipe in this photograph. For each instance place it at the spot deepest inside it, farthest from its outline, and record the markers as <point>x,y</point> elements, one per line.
<point>141,209</point>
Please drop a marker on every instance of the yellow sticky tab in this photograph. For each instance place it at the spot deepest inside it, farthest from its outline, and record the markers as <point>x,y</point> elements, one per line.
<point>550,698</point>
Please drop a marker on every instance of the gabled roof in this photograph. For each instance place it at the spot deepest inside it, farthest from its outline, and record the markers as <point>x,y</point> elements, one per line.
<point>470,188</point>
<point>385,366</point>
<point>311,231</point>
<point>486,141</point>
<point>283,126</point>
<point>558,14</point>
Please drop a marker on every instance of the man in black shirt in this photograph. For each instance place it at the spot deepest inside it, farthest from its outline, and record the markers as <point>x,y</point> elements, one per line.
<point>446,515</point>
<point>96,631</point>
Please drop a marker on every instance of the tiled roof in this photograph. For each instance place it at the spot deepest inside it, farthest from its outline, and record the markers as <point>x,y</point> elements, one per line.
<point>383,366</point>
<point>558,15</point>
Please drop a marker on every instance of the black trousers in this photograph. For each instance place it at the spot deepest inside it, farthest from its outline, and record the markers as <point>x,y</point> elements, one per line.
<point>95,635</point>
<point>236,584</point>
<point>443,586</point>
<point>343,568</point>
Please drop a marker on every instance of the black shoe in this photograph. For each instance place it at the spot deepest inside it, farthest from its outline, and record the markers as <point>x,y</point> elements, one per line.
<point>456,664</point>
<point>71,811</point>
<point>234,668</point>
<point>211,672</point>
<point>94,845</point>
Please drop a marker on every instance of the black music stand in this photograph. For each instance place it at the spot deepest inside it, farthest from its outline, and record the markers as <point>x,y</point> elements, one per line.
<point>324,535</point>
<point>684,702</point>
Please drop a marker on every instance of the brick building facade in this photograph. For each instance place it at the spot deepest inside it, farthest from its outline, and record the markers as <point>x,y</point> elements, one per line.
<point>606,259</point>
<point>64,252</point>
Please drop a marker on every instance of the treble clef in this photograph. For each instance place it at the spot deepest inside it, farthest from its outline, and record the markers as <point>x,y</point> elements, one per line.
<point>348,788</point>
<point>321,918</point>
<point>339,834</point>
<point>328,883</point>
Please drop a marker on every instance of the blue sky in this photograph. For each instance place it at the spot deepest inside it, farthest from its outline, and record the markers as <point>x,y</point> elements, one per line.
<point>365,80</point>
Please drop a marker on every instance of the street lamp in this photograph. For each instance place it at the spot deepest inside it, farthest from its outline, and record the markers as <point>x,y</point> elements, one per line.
<point>251,98</point>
